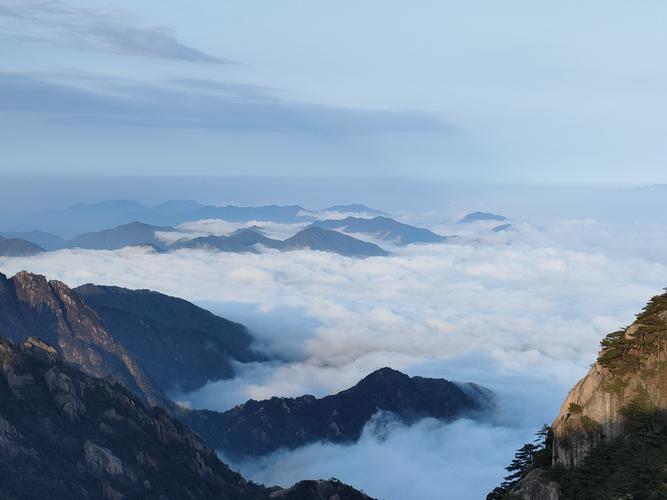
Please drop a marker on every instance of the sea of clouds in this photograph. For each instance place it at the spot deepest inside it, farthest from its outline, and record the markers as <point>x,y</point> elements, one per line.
<point>521,312</point>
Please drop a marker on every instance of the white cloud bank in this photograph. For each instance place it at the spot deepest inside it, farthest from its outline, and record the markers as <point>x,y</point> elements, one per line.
<point>522,314</point>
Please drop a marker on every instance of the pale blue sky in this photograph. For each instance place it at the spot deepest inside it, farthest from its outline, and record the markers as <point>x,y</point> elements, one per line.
<point>515,91</point>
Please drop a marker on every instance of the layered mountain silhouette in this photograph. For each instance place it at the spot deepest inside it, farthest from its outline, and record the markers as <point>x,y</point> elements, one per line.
<point>242,240</point>
<point>312,238</point>
<point>316,238</point>
<point>45,240</point>
<point>134,224</point>
<point>132,234</point>
<point>383,228</point>
<point>93,217</point>
<point>16,247</point>
<point>609,439</point>
<point>260,427</point>
<point>65,435</point>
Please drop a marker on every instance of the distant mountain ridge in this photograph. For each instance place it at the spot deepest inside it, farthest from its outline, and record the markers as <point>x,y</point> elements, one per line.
<point>316,238</point>
<point>312,238</point>
<point>16,247</point>
<point>241,240</point>
<point>45,240</point>
<point>132,234</point>
<point>261,427</point>
<point>92,217</point>
<point>383,228</point>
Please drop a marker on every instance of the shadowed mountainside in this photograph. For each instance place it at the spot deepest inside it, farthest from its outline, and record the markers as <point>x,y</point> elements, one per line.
<point>31,306</point>
<point>383,228</point>
<point>134,233</point>
<point>16,247</point>
<point>179,345</point>
<point>65,435</point>
<point>313,238</point>
<point>260,427</point>
<point>150,342</point>
<point>42,239</point>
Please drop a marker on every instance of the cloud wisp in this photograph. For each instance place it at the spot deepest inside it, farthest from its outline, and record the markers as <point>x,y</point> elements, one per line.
<point>52,21</point>
<point>125,103</point>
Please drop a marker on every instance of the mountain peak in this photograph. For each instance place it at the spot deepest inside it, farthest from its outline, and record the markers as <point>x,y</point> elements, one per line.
<point>261,427</point>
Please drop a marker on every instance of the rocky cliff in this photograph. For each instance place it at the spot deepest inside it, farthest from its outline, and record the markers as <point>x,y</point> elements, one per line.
<point>632,363</point>
<point>31,306</point>
<point>65,435</point>
<point>609,440</point>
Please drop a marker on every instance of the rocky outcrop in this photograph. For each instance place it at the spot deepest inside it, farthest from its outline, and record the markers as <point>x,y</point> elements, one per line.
<point>633,361</point>
<point>260,427</point>
<point>608,440</point>
<point>31,306</point>
<point>84,437</point>
<point>67,435</point>
<point>536,487</point>
<point>320,490</point>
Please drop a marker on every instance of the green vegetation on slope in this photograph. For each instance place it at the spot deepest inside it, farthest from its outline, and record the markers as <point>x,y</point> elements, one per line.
<point>631,466</point>
<point>639,349</point>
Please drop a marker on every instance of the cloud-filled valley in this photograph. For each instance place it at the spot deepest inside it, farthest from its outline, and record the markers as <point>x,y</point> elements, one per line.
<point>517,313</point>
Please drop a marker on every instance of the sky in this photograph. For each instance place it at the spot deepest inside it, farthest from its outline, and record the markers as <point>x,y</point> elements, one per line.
<point>497,92</point>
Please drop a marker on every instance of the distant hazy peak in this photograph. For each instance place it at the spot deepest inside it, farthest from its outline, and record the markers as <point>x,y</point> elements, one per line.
<point>482,216</point>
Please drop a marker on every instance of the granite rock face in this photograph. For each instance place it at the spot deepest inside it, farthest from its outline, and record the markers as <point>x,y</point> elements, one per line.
<point>633,361</point>
<point>31,306</point>
<point>536,487</point>
<point>65,435</point>
<point>608,437</point>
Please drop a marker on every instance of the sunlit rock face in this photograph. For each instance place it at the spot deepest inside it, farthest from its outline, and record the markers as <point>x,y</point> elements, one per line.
<point>65,434</point>
<point>32,306</point>
<point>632,363</point>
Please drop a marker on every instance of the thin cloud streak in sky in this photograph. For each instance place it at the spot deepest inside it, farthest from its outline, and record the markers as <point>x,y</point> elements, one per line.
<point>114,32</point>
<point>126,103</point>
